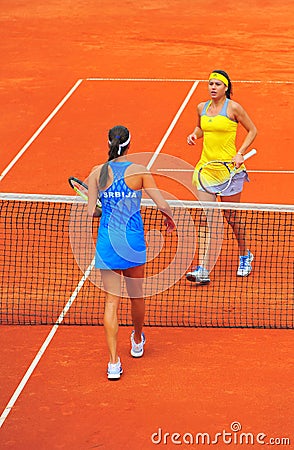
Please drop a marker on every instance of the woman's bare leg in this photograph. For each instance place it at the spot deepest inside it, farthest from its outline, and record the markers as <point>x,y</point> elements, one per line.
<point>237,222</point>
<point>210,232</point>
<point>112,286</point>
<point>134,278</point>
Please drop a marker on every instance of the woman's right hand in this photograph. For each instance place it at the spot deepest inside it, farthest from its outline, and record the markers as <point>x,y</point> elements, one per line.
<point>170,224</point>
<point>191,139</point>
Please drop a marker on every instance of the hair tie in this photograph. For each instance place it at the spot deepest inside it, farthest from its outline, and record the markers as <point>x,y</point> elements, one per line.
<point>124,144</point>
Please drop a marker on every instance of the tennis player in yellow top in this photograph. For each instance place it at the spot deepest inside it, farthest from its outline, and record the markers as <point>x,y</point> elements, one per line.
<point>217,124</point>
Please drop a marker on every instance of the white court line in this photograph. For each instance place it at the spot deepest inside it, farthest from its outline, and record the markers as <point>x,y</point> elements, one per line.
<point>184,80</point>
<point>286,172</point>
<point>172,125</point>
<point>176,80</point>
<point>59,106</point>
<point>54,329</point>
<point>39,130</point>
<point>50,336</point>
<point>43,348</point>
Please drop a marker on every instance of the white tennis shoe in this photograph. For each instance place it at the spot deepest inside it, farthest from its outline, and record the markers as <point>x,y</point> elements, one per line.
<point>114,371</point>
<point>245,267</point>
<point>137,350</point>
<point>198,275</point>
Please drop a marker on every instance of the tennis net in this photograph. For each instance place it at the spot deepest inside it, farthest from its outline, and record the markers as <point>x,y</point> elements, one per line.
<point>47,246</point>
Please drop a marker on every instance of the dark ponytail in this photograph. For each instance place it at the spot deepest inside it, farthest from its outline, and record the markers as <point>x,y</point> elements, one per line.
<point>229,91</point>
<point>118,140</point>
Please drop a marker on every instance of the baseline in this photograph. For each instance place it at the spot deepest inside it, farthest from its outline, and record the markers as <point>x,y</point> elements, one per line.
<point>184,80</point>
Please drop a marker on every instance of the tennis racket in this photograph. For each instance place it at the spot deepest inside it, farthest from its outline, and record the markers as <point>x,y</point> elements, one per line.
<point>215,177</point>
<point>82,190</point>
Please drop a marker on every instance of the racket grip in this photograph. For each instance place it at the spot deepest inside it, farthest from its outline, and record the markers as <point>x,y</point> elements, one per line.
<point>249,154</point>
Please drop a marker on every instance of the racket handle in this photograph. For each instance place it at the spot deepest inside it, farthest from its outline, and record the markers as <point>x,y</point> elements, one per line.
<point>249,154</point>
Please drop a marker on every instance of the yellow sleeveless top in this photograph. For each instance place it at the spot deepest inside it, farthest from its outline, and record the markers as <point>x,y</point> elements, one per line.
<point>219,135</point>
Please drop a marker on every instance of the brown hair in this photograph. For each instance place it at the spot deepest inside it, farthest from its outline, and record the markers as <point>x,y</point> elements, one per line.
<point>118,141</point>
<point>229,91</point>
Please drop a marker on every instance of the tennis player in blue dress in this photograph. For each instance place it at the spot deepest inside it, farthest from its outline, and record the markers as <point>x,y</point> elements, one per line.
<point>120,247</point>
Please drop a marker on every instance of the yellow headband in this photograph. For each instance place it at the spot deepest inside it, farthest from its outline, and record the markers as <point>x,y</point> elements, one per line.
<point>218,76</point>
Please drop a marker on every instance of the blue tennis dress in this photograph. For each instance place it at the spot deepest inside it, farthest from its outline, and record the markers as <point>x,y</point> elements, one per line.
<point>120,243</point>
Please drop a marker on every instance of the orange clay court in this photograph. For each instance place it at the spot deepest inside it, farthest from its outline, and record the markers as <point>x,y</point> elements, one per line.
<point>71,72</point>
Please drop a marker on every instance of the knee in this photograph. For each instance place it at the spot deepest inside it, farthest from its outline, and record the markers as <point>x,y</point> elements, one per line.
<point>135,292</point>
<point>230,217</point>
<point>134,287</point>
<point>234,219</point>
<point>202,222</point>
<point>111,301</point>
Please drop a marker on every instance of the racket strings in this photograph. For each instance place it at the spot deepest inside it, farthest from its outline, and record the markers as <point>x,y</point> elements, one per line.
<point>215,174</point>
<point>82,189</point>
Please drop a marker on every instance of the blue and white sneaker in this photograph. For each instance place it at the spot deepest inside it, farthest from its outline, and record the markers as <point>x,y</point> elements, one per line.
<point>137,350</point>
<point>245,267</point>
<point>198,275</point>
<point>114,371</point>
